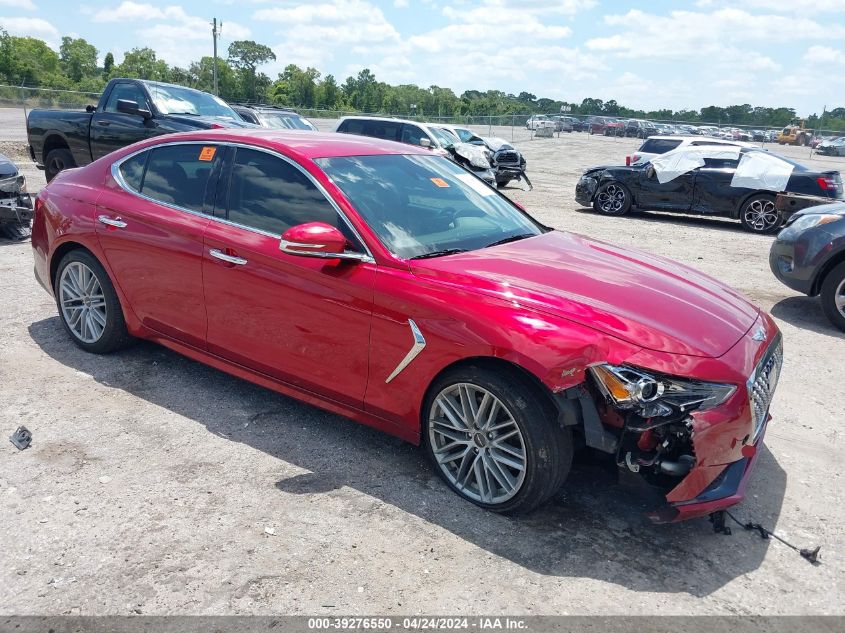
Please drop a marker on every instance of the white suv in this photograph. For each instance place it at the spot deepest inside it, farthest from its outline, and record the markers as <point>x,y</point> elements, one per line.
<point>656,145</point>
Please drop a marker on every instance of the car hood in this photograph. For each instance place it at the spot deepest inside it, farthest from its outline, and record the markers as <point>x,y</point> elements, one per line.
<point>641,298</point>
<point>205,122</point>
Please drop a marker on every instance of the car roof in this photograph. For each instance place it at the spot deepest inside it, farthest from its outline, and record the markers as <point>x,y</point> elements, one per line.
<point>693,137</point>
<point>381,118</point>
<point>302,144</point>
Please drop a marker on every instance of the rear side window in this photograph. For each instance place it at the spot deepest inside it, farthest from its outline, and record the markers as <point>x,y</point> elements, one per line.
<point>387,130</point>
<point>270,194</point>
<point>132,170</point>
<point>129,92</point>
<point>659,146</point>
<point>179,174</point>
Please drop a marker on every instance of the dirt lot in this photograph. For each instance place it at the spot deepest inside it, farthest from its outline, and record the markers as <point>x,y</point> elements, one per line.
<point>152,479</point>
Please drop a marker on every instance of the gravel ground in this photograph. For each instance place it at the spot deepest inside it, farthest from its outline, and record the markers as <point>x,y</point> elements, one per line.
<point>156,485</point>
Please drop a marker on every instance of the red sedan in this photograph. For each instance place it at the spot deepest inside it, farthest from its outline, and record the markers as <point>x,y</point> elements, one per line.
<point>387,284</point>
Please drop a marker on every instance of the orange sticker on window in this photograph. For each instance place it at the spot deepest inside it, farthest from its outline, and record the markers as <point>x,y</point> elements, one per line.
<point>207,153</point>
<point>440,182</point>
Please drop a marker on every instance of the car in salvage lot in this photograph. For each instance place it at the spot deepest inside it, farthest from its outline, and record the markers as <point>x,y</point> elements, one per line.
<point>809,256</point>
<point>735,182</point>
<point>129,110</point>
<point>384,283</point>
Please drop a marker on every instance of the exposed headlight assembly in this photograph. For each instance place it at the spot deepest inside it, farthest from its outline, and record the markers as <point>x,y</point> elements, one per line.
<point>657,395</point>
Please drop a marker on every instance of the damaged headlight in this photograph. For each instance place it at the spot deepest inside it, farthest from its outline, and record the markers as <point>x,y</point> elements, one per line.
<point>656,395</point>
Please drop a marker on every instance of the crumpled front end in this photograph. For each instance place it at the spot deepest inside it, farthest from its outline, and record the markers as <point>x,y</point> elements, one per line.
<point>694,439</point>
<point>15,203</point>
<point>585,189</point>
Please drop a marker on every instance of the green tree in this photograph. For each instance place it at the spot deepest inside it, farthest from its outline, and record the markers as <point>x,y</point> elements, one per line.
<point>78,58</point>
<point>108,64</point>
<point>141,63</point>
<point>247,56</point>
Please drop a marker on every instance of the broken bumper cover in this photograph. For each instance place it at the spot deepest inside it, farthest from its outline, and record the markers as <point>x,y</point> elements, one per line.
<point>585,190</point>
<point>17,208</point>
<point>728,489</point>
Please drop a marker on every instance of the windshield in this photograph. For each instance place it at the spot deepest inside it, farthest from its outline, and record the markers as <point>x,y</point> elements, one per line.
<point>796,166</point>
<point>285,121</point>
<point>176,100</point>
<point>443,137</point>
<point>465,135</point>
<point>420,205</point>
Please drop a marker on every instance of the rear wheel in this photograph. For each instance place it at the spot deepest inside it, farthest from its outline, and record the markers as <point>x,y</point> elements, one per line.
<point>833,296</point>
<point>612,198</point>
<point>57,160</point>
<point>759,215</point>
<point>493,441</point>
<point>88,305</point>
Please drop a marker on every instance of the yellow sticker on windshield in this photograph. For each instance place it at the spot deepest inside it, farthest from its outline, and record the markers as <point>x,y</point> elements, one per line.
<point>440,182</point>
<point>207,153</point>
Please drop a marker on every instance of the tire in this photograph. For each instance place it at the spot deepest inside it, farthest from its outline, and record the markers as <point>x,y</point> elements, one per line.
<point>758,214</point>
<point>57,160</point>
<point>612,198</point>
<point>480,469</point>
<point>833,296</point>
<point>94,320</point>
<point>502,183</point>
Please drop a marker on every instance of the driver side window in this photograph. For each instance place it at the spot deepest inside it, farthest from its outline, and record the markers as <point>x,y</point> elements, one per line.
<point>269,194</point>
<point>130,92</point>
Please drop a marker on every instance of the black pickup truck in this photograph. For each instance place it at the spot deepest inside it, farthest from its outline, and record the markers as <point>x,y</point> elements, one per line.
<point>129,110</point>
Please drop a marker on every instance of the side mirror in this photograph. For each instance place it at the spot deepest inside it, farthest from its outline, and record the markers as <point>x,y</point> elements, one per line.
<point>125,106</point>
<point>424,142</point>
<point>650,172</point>
<point>318,239</point>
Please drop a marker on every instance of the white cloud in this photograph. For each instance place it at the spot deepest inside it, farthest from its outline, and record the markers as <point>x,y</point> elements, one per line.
<point>32,27</point>
<point>694,34</point>
<point>26,5</point>
<point>799,7</point>
<point>400,4</point>
<point>824,55</point>
<point>176,36</point>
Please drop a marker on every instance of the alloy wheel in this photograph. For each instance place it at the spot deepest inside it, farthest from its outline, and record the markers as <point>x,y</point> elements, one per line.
<point>477,443</point>
<point>839,297</point>
<point>761,215</point>
<point>82,302</point>
<point>611,199</point>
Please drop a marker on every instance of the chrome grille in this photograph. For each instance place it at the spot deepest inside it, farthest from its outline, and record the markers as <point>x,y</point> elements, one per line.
<point>761,385</point>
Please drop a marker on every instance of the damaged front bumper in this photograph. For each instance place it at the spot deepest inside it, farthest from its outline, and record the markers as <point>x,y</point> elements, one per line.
<point>585,190</point>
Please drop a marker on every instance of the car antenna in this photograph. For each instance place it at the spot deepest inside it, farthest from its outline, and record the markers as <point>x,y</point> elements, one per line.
<point>718,521</point>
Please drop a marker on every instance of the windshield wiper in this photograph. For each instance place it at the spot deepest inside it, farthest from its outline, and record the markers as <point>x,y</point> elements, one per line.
<point>445,251</point>
<point>512,238</point>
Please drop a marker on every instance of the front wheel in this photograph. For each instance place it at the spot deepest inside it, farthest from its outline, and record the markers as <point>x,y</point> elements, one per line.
<point>88,305</point>
<point>612,198</point>
<point>759,215</point>
<point>493,441</point>
<point>833,296</point>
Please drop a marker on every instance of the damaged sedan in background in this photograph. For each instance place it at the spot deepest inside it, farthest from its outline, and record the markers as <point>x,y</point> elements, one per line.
<point>15,202</point>
<point>505,160</point>
<point>735,182</point>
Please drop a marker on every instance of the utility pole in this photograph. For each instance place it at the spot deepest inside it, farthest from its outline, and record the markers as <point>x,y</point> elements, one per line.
<point>214,33</point>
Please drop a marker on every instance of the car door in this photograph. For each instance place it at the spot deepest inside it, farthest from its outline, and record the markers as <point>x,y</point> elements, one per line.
<point>111,130</point>
<point>713,193</point>
<point>302,320</point>
<point>150,224</point>
<point>675,195</point>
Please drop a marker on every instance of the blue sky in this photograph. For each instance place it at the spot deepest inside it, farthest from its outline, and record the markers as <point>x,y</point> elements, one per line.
<point>661,53</point>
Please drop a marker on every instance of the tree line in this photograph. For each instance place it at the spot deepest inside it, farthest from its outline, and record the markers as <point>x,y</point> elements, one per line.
<point>28,61</point>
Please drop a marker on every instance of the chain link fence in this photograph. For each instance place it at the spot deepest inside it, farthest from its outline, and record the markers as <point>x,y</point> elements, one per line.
<point>18,96</point>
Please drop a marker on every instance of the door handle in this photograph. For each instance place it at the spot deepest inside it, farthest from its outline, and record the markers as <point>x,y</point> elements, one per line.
<point>115,222</point>
<point>231,259</point>
<point>103,122</point>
